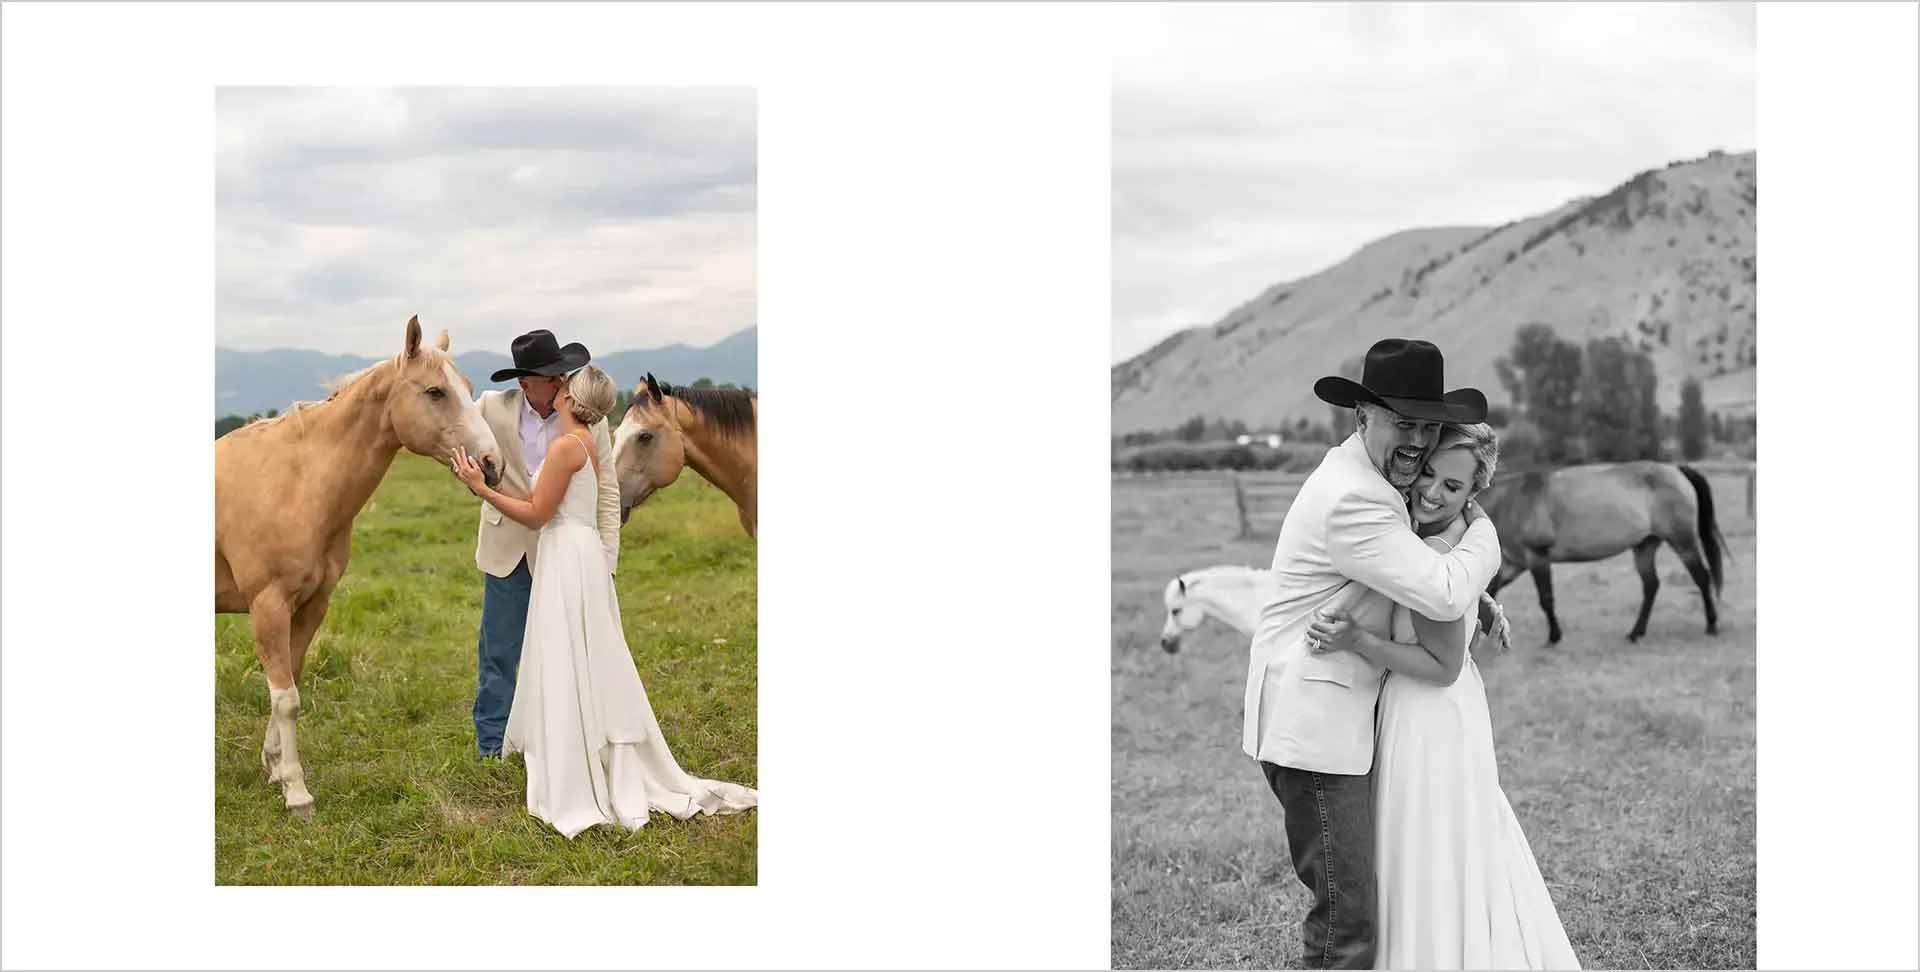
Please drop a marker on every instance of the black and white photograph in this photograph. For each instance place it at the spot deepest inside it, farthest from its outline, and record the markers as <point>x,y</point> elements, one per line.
<point>1433,464</point>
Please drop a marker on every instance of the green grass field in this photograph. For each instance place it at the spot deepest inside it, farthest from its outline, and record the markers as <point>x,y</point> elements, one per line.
<point>1630,766</point>
<point>386,731</point>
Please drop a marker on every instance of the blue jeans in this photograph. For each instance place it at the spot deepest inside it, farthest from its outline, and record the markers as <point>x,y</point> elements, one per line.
<point>1330,836</point>
<point>503,626</point>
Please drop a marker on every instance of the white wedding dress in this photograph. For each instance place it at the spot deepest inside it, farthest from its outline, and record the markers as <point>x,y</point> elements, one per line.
<point>580,715</point>
<point>1457,884</point>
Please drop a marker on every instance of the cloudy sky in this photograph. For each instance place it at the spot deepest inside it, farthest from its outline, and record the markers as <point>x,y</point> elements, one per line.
<point>1255,144</point>
<point>619,217</point>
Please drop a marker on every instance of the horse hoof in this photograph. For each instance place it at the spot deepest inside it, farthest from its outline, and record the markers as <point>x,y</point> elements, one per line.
<point>302,810</point>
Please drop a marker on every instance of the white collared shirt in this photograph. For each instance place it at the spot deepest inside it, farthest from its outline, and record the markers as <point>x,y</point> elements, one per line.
<point>536,435</point>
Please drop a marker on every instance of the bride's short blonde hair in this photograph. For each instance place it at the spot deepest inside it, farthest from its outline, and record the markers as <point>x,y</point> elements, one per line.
<point>592,393</point>
<point>1478,439</point>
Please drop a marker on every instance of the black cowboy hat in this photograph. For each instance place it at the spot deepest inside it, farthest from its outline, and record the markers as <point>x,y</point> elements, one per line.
<point>1406,377</point>
<point>538,354</point>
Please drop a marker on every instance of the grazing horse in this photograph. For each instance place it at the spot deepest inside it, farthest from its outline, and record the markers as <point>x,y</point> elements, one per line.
<point>1229,593</point>
<point>285,492</point>
<point>714,430</point>
<point>1584,513</point>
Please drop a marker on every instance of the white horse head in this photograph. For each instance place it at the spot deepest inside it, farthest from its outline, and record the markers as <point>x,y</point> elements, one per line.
<point>1183,614</point>
<point>1231,594</point>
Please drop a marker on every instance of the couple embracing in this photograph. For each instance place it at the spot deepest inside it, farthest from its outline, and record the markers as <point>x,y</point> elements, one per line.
<point>557,682</point>
<point>1364,704</point>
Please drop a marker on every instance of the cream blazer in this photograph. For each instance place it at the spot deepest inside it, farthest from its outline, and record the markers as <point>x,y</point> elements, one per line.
<point>1315,712</point>
<point>502,541</point>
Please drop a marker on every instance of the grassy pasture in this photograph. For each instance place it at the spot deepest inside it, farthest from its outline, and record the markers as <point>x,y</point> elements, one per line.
<point>386,731</point>
<point>1631,766</point>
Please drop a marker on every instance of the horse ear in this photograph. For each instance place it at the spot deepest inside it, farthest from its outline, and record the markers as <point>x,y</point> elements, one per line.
<point>1183,587</point>
<point>444,342</point>
<point>413,336</point>
<point>653,387</point>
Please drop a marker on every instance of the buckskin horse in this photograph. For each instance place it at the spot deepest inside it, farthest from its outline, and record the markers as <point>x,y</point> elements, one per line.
<point>714,430</point>
<point>1584,513</point>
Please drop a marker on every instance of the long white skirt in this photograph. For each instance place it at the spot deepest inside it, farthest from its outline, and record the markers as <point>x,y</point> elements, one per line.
<point>1458,885</point>
<point>580,713</point>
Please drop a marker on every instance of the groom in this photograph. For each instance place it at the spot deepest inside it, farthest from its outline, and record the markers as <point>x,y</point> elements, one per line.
<point>1309,718</point>
<point>524,423</point>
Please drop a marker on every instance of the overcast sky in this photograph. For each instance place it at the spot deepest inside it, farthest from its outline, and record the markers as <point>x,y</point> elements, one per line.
<point>1255,144</point>
<point>619,217</point>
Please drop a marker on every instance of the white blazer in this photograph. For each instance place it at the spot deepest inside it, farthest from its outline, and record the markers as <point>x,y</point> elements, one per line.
<point>502,540</point>
<point>1315,712</point>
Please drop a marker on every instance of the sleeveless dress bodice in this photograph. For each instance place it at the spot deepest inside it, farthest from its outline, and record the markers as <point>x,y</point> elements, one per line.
<point>580,505</point>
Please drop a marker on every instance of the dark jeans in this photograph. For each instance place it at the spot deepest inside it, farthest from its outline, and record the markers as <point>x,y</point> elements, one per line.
<point>503,625</point>
<point>1330,834</point>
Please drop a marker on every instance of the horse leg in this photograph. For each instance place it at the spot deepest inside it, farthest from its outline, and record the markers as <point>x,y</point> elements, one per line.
<point>269,616</point>
<point>1502,577</point>
<point>1543,585</point>
<point>1649,583</point>
<point>1697,569</point>
<point>272,630</point>
<point>270,748</point>
<point>306,621</point>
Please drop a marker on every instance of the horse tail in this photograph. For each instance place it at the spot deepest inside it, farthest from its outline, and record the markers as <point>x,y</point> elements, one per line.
<point>1711,539</point>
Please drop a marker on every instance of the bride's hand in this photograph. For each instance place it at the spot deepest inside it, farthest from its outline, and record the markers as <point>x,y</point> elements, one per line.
<point>468,470</point>
<point>1493,625</point>
<point>1333,631</point>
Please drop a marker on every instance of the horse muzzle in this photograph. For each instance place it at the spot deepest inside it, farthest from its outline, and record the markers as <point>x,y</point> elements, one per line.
<point>627,506</point>
<point>1170,644</point>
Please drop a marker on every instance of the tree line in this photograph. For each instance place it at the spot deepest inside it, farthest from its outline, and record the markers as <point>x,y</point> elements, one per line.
<point>1596,404</point>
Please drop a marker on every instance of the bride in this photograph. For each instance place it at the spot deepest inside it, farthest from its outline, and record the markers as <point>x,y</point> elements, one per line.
<point>1457,885</point>
<point>580,714</point>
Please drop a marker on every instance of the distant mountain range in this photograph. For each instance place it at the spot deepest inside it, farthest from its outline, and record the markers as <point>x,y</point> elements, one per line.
<point>246,382</point>
<point>1665,260</point>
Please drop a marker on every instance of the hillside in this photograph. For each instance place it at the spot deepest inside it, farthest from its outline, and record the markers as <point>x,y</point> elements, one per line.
<point>246,382</point>
<point>1664,260</point>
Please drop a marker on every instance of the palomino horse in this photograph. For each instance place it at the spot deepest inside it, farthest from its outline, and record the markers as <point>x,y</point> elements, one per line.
<point>1236,595</point>
<point>285,492</point>
<point>1584,513</point>
<point>711,429</point>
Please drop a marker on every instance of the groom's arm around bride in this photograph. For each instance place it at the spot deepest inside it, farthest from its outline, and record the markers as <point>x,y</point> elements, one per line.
<point>1369,540</point>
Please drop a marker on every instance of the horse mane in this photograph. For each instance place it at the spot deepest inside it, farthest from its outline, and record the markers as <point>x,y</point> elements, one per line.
<point>1198,574</point>
<point>333,386</point>
<point>728,410</point>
